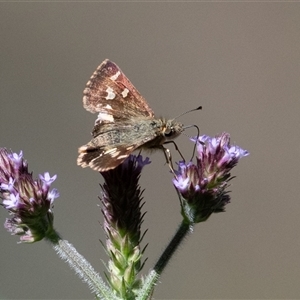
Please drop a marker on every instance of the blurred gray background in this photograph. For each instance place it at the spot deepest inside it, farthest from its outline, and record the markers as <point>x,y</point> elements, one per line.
<point>240,61</point>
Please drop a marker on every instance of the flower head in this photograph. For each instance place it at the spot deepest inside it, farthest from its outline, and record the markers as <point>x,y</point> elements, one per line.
<point>203,186</point>
<point>122,203</point>
<point>28,200</point>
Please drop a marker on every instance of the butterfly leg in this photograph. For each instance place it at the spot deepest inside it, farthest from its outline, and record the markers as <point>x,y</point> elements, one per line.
<point>176,148</point>
<point>168,157</point>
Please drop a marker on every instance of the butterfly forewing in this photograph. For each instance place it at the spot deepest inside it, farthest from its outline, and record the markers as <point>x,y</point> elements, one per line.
<point>123,120</point>
<point>110,93</point>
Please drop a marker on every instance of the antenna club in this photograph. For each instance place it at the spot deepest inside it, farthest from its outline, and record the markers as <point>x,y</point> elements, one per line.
<point>198,108</point>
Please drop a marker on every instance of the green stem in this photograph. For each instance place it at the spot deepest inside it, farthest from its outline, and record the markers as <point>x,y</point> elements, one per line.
<point>183,230</point>
<point>82,267</point>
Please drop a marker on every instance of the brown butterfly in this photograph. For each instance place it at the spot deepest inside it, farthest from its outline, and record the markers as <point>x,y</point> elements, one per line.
<point>125,121</point>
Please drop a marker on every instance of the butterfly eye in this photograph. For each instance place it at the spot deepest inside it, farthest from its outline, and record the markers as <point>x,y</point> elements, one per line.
<point>169,132</point>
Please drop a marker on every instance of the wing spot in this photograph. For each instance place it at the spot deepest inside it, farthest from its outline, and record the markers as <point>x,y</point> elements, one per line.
<point>86,91</point>
<point>125,93</point>
<point>114,77</point>
<point>122,156</point>
<point>115,154</point>
<point>112,150</point>
<point>110,94</point>
<point>105,117</point>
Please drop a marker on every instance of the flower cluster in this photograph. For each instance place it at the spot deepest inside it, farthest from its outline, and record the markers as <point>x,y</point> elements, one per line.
<point>29,201</point>
<point>122,203</point>
<point>203,186</point>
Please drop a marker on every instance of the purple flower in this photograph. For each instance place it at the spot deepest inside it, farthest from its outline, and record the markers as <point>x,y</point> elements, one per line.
<point>29,201</point>
<point>47,180</point>
<point>203,186</point>
<point>12,202</point>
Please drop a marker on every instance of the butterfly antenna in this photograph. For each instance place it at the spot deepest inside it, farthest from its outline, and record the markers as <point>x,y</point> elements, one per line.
<point>198,108</point>
<point>198,134</point>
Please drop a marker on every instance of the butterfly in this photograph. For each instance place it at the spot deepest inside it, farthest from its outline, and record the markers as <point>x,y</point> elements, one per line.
<point>125,121</point>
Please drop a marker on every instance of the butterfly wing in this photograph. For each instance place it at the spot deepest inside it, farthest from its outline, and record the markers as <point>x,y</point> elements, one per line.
<point>125,121</point>
<point>110,93</point>
<point>113,143</point>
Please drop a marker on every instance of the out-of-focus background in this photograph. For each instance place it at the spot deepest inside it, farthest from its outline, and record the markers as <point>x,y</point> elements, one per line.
<point>240,61</point>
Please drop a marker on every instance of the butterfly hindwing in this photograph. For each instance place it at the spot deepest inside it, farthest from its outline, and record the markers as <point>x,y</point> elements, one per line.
<point>111,145</point>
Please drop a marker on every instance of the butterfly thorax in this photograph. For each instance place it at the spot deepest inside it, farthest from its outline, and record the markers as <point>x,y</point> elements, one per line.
<point>163,131</point>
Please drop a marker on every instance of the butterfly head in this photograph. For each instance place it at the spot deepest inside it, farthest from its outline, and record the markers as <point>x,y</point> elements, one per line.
<point>172,129</point>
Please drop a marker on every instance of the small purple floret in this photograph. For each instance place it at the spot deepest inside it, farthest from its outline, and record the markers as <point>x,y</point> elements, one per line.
<point>12,202</point>
<point>47,180</point>
<point>17,159</point>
